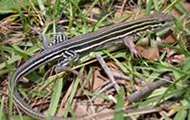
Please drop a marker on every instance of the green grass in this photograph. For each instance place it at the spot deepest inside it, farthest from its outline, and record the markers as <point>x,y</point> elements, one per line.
<point>18,44</point>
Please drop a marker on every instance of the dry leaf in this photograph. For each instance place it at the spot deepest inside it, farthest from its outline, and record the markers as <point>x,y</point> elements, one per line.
<point>176,59</point>
<point>187,6</point>
<point>81,110</point>
<point>169,39</point>
<point>98,80</point>
<point>118,14</point>
<point>151,53</point>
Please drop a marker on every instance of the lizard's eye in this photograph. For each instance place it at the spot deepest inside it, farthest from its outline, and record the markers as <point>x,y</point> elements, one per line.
<point>150,28</point>
<point>163,22</point>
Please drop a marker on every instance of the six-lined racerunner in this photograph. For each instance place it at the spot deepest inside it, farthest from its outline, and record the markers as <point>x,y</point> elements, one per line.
<point>70,50</point>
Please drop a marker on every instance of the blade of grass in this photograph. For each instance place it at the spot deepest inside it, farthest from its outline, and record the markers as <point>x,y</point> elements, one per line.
<point>120,103</point>
<point>170,6</point>
<point>181,115</point>
<point>171,86</point>
<point>68,106</point>
<point>180,7</point>
<point>2,107</point>
<point>41,6</point>
<point>30,51</point>
<point>55,97</point>
<point>21,52</point>
<point>148,6</point>
<point>156,5</point>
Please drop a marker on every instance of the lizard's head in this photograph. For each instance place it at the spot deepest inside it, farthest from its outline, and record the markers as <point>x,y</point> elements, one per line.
<point>162,21</point>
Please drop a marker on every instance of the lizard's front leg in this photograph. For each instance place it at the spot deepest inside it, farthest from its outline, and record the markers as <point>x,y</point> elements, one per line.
<point>128,41</point>
<point>70,58</point>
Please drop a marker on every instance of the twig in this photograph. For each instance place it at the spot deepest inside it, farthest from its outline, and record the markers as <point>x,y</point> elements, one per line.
<point>128,112</point>
<point>108,86</point>
<point>68,69</point>
<point>121,76</point>
<point>123,5</point>
<point>107,71</point>
<point>149,88</point>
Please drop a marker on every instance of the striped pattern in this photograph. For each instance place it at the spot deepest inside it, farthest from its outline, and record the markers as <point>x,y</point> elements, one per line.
<point>58,39</point>
<point>69,58</point>
<point>81,45</point>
